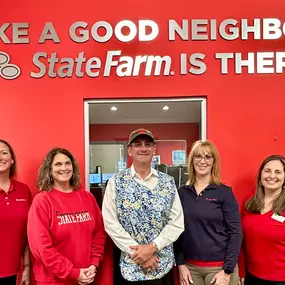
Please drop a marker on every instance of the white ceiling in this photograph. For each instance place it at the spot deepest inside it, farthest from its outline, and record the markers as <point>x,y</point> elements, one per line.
<point>136,113</point>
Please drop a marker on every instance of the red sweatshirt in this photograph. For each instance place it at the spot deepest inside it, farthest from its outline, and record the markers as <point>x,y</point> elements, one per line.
<point>66,233</point>
<point>264,246</point>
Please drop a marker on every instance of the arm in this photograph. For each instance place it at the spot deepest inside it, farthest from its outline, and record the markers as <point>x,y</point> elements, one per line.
<point>26,253</point>
<point>175,226</point>
<point>178,245</point>
<point>178,251</point>
<point>114,229</point>
<point>232,219</point>
<point>241,263</point>
<point>26,274</point>
<point>99,237</point>
<point>26,256</point>
<point>241,260</point>
<point>41,243</point>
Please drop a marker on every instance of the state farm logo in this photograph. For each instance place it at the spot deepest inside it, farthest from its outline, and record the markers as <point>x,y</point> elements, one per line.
<point>8,70</point>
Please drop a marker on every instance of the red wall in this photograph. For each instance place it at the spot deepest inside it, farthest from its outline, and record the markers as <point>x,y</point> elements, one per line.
<point>245,113</point>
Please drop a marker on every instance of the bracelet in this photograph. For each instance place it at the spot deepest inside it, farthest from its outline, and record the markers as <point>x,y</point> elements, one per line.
<point>27,265</point>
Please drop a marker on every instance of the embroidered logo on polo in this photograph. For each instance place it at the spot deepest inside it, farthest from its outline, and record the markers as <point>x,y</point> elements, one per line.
<point>211,199</point>
<point>21,200</point>
<point>73,218</point>
<point>8,70</point>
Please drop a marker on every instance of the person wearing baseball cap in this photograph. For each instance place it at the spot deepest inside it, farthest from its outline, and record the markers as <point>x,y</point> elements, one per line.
<point>143,215</point>
<point>140,133</point>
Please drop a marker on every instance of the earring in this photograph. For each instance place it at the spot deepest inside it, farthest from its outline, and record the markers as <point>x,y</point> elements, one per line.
<point>50,179</point>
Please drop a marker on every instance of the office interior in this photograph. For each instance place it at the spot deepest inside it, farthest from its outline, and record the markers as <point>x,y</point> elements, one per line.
<point>174,124</point>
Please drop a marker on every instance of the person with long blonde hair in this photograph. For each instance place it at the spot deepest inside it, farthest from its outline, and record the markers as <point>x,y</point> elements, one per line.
<point>65,225</point>
<point>207,251</point>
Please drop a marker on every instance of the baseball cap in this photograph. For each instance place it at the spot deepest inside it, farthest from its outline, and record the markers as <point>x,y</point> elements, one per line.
<point>140,132</point>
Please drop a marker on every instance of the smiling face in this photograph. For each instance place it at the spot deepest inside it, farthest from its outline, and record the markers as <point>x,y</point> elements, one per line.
<point>141,150</point>
<point>61,169</point>
<point>203,162</point>
<point>6,159</point>
<point>273,176</point>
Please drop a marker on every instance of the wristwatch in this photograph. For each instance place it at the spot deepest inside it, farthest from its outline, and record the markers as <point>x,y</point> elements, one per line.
<point>228,270</point>
<point>155,246</point>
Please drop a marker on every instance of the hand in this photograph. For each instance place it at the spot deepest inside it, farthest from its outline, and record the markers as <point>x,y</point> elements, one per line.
<point>25,280</point>
<point>143,252</point>
<point>184,275</point>
<point>151,264</point>
<point>241,281</point>
<point>92,270</point>
<point>86,276</point>
<point>221,278</point>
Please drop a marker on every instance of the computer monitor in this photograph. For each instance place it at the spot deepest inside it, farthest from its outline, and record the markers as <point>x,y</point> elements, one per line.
<point>106,176</point>
<point>95,178</point>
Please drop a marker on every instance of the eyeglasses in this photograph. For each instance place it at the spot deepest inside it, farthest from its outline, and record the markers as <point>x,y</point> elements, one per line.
<point>199,157</point>
<point>147,144</point>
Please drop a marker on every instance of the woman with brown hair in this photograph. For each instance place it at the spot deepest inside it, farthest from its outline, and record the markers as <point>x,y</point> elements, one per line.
<point>264,226</point>
<point>15,200</point>
<point>207,251</point>
<point>65,226</point>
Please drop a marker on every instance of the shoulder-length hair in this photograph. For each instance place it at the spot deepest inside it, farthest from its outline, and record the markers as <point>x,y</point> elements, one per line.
<point>256,203</point>
<point>200,147</point>
<point>13,168</point>
<point>44,181</point>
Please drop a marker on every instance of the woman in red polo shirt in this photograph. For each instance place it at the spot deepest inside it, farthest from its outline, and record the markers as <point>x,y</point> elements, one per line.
<point>264,226</point>
<point>65,226</point>
<point>15,199</point>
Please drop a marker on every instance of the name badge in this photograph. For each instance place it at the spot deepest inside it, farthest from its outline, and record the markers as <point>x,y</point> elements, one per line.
<point>278,218</point>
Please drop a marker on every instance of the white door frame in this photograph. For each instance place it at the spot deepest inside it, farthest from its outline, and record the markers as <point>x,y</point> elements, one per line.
<point>203,133</point>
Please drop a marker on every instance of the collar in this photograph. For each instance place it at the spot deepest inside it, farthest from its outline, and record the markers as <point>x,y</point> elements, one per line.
<point>12,186</point>
<point>152,172</point>
<point>210,186</point>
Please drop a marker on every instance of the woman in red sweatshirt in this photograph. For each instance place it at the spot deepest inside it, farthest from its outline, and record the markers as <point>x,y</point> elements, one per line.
<point>65,226</point>
<point>15,200</point>
<point>264,226</point>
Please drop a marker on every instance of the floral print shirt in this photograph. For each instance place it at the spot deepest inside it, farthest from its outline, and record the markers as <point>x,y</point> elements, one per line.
<point>143,213</point>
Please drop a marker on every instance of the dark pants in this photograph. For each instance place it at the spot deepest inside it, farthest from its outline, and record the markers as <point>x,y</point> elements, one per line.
<point>252,280</point>
<point>165,280</point>
<point>117,276</point>
<point>11,280</point>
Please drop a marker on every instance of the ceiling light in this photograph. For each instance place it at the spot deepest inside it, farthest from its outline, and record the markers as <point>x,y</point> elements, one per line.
<point>114,108</point>
<point>165,108</point>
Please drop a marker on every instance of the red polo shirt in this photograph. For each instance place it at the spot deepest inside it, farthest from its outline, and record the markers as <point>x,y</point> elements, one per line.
<point>264,240</point>
<point>14,207</point>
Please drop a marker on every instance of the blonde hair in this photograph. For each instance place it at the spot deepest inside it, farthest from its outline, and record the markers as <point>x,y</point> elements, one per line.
<point>199,147</point>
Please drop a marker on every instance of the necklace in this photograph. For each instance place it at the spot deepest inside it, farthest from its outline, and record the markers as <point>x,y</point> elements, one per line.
<point>267,208</point>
